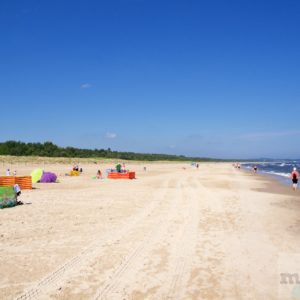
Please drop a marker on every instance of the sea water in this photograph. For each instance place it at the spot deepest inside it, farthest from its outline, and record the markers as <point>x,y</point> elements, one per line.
<point>279,169</point>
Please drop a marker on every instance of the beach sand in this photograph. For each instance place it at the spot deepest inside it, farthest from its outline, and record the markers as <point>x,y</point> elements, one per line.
<point>173,233</point>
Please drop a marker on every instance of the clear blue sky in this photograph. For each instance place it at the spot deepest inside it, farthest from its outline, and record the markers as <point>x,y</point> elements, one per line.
<point>205,78</point>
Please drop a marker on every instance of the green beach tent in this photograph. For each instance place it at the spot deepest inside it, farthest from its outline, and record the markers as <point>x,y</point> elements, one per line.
<point>8,197</point>
<point>36,175</point>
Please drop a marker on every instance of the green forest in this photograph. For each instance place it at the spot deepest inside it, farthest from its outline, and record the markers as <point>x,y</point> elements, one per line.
<point>48,149</point>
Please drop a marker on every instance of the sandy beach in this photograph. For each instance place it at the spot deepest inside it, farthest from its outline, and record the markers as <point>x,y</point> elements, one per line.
<point>175,232</point>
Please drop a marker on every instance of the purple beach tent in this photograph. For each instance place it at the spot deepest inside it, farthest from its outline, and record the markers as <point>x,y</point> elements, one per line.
<point>48,177</point>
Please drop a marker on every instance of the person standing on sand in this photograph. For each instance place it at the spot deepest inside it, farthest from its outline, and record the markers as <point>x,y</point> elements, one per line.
<point>254,169</point>
<point>99,175</point>
<point>118,168</point>
<point>295,177</point>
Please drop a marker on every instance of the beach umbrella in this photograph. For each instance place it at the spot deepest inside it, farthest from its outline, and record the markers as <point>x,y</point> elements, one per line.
<point>36,175</point>
<point>48,177</point>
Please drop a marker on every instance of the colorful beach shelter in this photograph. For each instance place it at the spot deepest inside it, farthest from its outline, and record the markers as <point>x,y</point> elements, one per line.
<point>8,197</point>
<point>48,177</point>
<point>36,175</point>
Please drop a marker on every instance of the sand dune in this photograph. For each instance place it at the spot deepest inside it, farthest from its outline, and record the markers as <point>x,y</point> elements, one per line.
<point>173,233</point>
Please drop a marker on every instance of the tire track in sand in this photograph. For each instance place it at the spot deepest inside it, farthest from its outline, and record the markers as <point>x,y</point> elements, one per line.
<point>186,245</point>
<point>132,259</point>
<point>50,281</point>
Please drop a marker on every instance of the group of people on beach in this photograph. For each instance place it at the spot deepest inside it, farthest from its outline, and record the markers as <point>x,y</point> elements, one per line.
<point>120,168</point>
<point>236,165</point>
<point>77,169</point>
<point>294,175</point>
<point>8,173</point>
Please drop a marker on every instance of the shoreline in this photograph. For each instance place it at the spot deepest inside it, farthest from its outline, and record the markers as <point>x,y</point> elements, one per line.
<point>274,183</point>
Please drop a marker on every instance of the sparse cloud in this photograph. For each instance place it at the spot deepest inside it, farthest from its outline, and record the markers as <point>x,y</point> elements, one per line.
<point>172,146</point>
<point>110,135</point>
<point>266,135</point>
<point>195,136</point>
<point>85,86</point>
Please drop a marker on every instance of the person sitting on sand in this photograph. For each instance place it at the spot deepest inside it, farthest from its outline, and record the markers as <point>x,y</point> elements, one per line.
<point>99,175</point>
<point>295,177</point>
<point>17,189</point>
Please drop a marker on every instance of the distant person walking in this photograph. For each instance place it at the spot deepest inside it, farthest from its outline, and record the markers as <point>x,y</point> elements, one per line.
<point>254,169</point>
<point>8,172</point>
<point>295,177</point>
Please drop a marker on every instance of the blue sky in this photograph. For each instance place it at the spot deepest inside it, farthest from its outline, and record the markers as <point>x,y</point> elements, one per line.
<point>201,78</point>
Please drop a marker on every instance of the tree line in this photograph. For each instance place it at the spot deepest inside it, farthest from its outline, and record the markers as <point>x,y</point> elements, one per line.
<point>48,149</point>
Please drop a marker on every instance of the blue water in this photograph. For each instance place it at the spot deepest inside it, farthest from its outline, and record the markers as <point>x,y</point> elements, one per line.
<point>279,169</point>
